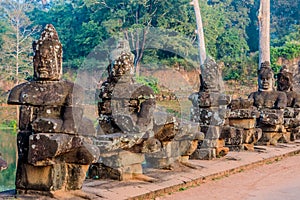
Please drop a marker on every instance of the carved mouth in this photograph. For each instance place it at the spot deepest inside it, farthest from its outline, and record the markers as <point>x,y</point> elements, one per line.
<point>43,72</point>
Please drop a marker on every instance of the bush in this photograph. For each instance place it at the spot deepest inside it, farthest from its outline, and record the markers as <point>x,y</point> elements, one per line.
<point>149,81</point>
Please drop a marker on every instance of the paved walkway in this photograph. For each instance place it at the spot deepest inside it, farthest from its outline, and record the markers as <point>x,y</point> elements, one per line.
<point>181,177</point>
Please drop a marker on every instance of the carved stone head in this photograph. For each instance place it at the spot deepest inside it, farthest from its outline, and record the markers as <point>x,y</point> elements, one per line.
<point>285,80</point>
<point>47,60</point>
<point>265,77</point>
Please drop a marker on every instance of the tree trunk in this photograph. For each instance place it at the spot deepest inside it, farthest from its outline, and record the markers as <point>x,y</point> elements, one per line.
<point>264,31</point>
<point>200,34</point>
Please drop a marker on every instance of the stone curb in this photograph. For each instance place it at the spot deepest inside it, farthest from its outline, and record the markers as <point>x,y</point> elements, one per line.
<point>217,175</point>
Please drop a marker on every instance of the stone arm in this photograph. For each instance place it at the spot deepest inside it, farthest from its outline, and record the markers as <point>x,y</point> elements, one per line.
<point>296,102</point>
<point>72,111</point>
<point>281,101</point>
<point>14,97</point>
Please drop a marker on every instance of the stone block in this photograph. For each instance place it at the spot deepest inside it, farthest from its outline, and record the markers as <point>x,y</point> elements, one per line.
<point>208,143</point>
<point>188,129</point>
<point>209,116</point>
<point>159,162</point>
<point>271,117</point>
<point>46,149</point>
<point>238,104</point>
<point>221,151</point>
<point>187,147</point>
<point>244,113</point>
<point>270,138</point>
<point>50,178</point>
<point>169,149</point>
<point>243,123</point>
<point>211,132</point>
<point>228,132</point>
<point>274,128</point>
<point>162,118</point>
<point>75,176</point>
<point>204,154</point>
<point>248,147</point>
<point>289,112</point>
<point>45,178</point>
<point>119,140</point>
<point>120,158</point>
<point>236,138</point>
<point>165,133</point>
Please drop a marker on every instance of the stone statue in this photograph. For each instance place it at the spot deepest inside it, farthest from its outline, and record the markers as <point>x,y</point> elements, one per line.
<point>292,111</point>
<point>285,84</point>
<point>51,124</point>
<point>210,111</point>
<point>267,96</point>
<point>124,106</point>
<point>270,104</point>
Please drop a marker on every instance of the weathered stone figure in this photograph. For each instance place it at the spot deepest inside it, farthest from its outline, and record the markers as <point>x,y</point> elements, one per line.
<point>131,131</point>
<point>292,111</point>
<point>270,104</point>
<point>285,84</point>
<point>125,110</point>
<point>51,154</point>
<point>267,96</point>
<point>209,110</point>
<point>124,105</point>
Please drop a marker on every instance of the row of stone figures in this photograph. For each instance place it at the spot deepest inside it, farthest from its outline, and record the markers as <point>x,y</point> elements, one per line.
<point>58,146</point>
<point>267,117</point>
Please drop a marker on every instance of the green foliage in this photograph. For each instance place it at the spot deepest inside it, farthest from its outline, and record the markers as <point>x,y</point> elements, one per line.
<point>8,151</point>
<point>10,124</point>
<point>230,29</point>
<point>149,81</point>
<point>289,50</point>
<point>284,16</point>
<point>242,69</point>
<point>231,44</point>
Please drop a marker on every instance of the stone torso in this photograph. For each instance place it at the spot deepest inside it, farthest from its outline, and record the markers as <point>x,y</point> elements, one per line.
<point>269,99</point>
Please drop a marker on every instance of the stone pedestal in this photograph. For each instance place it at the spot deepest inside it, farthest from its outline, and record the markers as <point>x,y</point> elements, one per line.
<point>209,110</point>
<point>241,134</point>
<point>178,141</point>
<point>50,178</point>
<point>292,122</point>
<point>271,121</point>
<point>118,165</point>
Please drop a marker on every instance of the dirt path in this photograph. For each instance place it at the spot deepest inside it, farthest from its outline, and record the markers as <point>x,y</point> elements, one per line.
<point>274,181</point>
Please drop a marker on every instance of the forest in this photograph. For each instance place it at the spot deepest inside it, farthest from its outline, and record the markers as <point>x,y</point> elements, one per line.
<point>160,32</point>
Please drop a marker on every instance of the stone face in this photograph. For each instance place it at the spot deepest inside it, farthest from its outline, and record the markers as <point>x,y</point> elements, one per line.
<point>212,76</point>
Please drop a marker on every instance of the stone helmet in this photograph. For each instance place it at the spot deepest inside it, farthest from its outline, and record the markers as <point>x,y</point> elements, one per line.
<point>47,59</point>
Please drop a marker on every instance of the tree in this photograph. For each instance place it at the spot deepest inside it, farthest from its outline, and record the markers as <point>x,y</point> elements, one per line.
<point>264,31</point>
<point>16,47</point>
<point>284,18</point>
<point>201,41</point>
